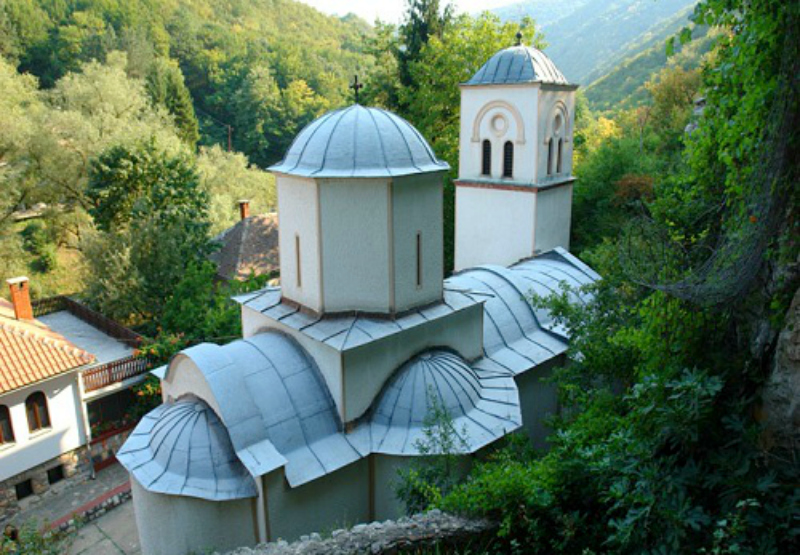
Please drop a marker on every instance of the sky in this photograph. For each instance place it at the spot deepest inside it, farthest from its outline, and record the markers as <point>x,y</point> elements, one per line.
<point>391,11</point>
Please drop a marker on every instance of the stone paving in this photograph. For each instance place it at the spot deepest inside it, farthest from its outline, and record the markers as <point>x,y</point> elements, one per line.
<point>62,502</point>
<point>114,533</point>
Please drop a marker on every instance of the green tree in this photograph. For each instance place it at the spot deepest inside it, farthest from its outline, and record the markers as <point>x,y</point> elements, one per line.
<point>424,19</point>
<point>165,87</point>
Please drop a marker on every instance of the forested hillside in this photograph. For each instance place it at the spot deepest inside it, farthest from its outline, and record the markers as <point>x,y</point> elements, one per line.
<point>263,67</point>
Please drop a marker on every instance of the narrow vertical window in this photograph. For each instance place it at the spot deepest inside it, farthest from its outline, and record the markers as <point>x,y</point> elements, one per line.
<point>38,416</point>
<point>558,159</point>
<point>508,159</point>
<point>486,168</point>
<point>550,157</point>
<point>6,429</point>
<point>419,259</point>
<point>297,260</point>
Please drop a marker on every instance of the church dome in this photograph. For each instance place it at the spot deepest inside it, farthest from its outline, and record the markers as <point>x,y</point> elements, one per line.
<point>481,401</point>
<point>359,142</point>
<point>516,65</point>
<point>183,448</point>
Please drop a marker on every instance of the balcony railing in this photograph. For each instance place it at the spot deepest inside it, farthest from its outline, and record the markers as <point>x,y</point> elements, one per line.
<point>114,372</point>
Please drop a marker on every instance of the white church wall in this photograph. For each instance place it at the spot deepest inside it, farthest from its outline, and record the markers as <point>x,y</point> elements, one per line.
<point>298,206</point>
<point>66,431</point>
<point>367,368</point>
<point>334,501</point>
<point>517,105</point>
<point>417,209</point>
<point>553,218</point>
<point>538,400</point>
<point>177,525</point>
<point>328,359</point>
<point>185,378</point>
<point>493,226</point>
<point>355,244</point>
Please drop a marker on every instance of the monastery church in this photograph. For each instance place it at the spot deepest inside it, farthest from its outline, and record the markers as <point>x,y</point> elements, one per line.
<point>302,425</point>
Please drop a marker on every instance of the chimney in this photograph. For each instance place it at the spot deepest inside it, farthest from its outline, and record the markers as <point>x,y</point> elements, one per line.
<point>21,298</point>
<point>244,209</point>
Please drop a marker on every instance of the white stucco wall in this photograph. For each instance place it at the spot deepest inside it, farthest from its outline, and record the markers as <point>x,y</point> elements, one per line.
<point>185,378</point>
<point>386,479</point>
<point>493,226</point>
<point>417,208</point>
<point>518,106</point>
<point>553,218</point>
<point>177,525</point>
<point>299,217</point>
<point>67,431</point>
<point>367,368</point>
<point>355,227</point>
<point>338,500</point>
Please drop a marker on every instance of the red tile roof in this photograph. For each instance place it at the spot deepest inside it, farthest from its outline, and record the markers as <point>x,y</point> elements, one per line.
<point>30,351</point>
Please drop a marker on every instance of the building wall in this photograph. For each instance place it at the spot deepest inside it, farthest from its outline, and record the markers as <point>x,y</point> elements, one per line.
<point>553,218</point>
<point>338,500</point>
<point>66,433</point>
<point>367,368</point>
<point>517,105</point>
<point>177,525</point>
<point>493,226</point>
<point>298,208</point>
<point>386,479</point>
<point>538,400</point>
<point>356,250</point>
<point>417,209</point>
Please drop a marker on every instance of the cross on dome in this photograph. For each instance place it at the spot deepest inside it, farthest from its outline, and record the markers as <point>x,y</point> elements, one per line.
<point>356,86</point>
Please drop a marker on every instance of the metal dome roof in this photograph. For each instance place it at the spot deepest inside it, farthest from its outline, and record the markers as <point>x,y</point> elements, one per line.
<point>481,400</point>
<point>359,142</point>
<point>516,65</point>
<point>182,448</point>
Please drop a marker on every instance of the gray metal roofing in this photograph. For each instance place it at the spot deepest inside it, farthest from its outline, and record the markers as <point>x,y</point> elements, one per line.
<point>359,142</point>
<point>278,411</point>
<point>483,404</point>
<point>517,65</point>
<point>183,449</point>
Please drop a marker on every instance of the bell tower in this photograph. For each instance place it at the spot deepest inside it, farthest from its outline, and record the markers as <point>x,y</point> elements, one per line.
<point>514,191</point>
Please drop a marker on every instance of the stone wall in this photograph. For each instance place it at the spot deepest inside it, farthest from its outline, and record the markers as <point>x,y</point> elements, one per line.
<point>76,467</point>
<point>384,538</point>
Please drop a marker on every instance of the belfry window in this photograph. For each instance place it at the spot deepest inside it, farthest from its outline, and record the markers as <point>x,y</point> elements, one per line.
<point>558,159</point>
<point>508,159</point>
<point>38,415</point>
<point>6,430</point>
<point>550,157</point>
<point>486,167</point>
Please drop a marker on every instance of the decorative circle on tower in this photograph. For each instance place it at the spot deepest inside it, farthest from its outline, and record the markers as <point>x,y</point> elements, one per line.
<point>557,123</point>
<point>499,125</point>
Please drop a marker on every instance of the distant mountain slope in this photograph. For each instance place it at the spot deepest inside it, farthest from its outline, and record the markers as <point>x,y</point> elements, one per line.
<point>623,87</point>
<point>588,38</point>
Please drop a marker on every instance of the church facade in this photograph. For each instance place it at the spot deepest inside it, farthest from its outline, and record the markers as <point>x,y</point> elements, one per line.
<point>302,425</point>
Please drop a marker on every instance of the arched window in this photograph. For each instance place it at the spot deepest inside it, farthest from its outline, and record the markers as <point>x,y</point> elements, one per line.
<point>550,157</point>
<point>508,159</point>
<point>6,430</point>
<point>486,168</point>
<point>558,160</point>
<point>36,407</point>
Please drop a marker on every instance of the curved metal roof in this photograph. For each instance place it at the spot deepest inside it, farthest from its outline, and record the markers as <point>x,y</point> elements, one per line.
<point>483,404</point>
<point>516,65</point>
<point>359,142</point>
<point>182,448</point>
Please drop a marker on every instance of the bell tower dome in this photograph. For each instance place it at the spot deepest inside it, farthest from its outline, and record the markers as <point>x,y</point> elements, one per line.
<point>514,191</point>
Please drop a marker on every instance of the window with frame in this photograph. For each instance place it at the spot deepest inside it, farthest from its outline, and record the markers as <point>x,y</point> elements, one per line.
<point>24,489</point>
<point>419,259</point>
<point>508,159</point>
<point>38,415</point>
<point>558,158</point>
<point>550,157</point>
<point>486,166</point>
<point>6,429</point>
